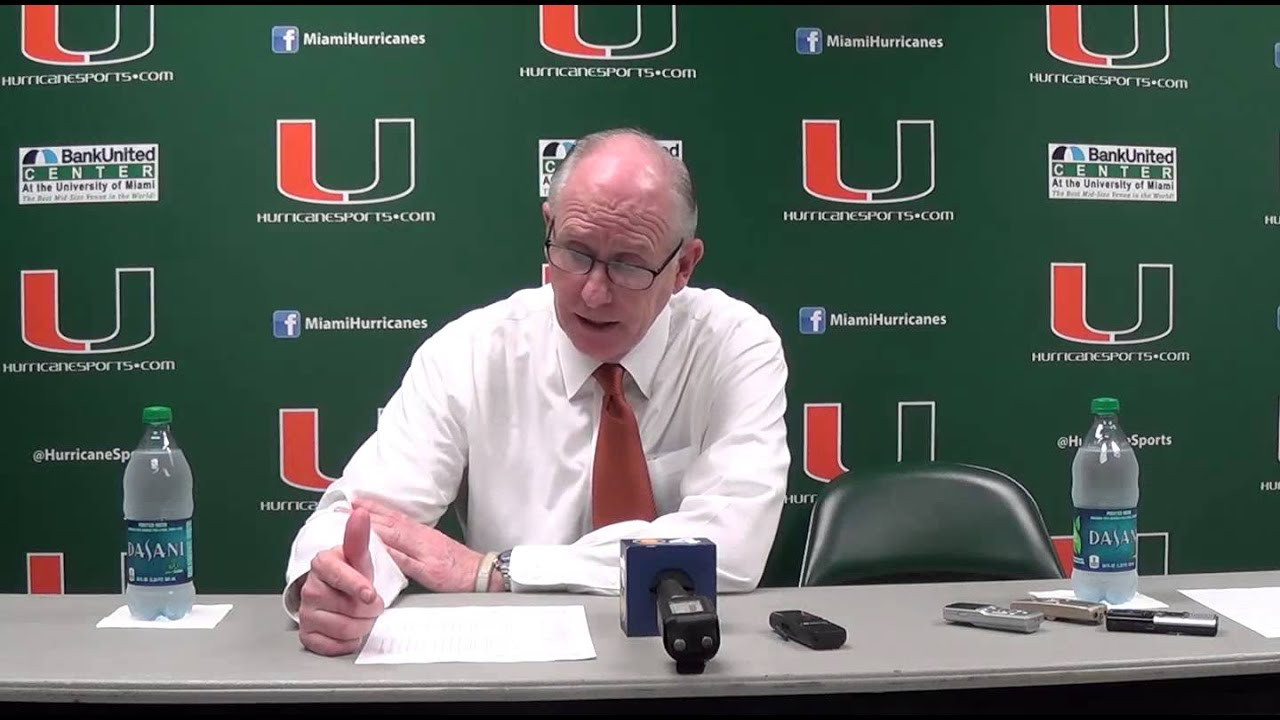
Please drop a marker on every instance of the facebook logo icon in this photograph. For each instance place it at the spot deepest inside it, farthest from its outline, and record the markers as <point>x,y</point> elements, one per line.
<point>813,320</point>
<point>809,41</point>
<point>284,39</point>
<point>286,323</point>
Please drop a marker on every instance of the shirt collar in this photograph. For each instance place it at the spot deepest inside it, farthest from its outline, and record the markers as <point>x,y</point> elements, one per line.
<point>641,363</point>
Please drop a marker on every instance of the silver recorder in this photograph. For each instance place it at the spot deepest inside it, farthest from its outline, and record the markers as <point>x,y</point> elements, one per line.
<point>1068,610</point>
<point>995,617</point>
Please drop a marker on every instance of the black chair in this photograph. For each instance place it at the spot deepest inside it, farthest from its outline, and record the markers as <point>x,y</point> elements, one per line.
<point>931,522</point>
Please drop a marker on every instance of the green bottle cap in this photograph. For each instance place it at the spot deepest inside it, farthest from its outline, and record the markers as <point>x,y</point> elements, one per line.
<point>1105,405</point>
<point>157,415</point>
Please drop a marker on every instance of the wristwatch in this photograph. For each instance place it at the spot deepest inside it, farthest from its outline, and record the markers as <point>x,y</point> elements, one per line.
<point>504,568</point>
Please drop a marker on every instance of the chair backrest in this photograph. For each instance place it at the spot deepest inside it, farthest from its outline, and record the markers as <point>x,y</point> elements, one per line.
<point>932,522</point>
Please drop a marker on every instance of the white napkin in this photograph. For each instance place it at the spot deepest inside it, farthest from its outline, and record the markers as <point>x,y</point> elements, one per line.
<point>201,617</point>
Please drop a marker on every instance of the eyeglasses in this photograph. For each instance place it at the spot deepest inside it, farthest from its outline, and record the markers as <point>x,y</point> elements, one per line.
<point>632,277</point>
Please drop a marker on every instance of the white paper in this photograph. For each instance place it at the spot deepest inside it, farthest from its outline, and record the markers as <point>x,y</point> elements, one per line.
<point>539,633</point>
<point>201,617</point>
<point>1255,608</point>
<point>1139,601</point>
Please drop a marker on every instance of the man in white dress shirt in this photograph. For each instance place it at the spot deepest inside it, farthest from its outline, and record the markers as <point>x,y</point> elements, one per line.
<point>614,402</point>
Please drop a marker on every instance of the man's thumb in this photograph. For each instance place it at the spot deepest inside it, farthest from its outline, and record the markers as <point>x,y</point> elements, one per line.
<point>355,543</point>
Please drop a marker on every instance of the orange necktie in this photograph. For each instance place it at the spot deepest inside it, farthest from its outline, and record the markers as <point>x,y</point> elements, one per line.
<point>620,487</point>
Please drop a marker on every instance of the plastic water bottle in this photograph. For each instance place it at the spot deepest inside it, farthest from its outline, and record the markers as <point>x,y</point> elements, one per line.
<point>1104,492</point>
<point>158,508</point>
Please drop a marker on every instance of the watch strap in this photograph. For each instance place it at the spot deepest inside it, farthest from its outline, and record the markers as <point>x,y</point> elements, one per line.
<point>483,572</point>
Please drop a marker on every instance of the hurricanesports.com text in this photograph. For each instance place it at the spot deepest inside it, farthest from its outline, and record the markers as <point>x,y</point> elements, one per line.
<point>287,505</point>
<point>347,216</point>
<point>868,215</point>
<point>1133,81</point>
<point>83,366</point>
<point>85,78</point>
<point>618,73</point>
<point>1122,356</point>
<point>801,498</point>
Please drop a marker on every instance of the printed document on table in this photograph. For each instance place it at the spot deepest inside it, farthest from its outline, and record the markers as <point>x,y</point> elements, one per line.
<point>536,633</point>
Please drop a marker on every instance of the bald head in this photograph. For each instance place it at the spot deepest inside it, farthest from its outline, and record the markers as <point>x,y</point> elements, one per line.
<point>627,166</point>
<point>621,217</point>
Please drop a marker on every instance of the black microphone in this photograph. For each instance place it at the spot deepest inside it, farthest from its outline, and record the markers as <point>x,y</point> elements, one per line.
<point>689,623</point>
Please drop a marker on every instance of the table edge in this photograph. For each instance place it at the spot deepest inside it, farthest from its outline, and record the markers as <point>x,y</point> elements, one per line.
<point>366,690</point>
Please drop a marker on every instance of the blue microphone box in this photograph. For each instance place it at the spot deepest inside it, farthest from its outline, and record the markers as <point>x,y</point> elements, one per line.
<point>644,560</point>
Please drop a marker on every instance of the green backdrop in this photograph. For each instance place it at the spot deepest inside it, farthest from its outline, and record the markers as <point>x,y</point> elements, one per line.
<point>965,222</point>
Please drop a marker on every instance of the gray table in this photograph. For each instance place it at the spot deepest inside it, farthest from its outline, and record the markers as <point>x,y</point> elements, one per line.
<point>50,651</point>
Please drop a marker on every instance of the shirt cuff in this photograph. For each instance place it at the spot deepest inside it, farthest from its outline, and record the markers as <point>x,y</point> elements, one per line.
<point>543,568</point>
